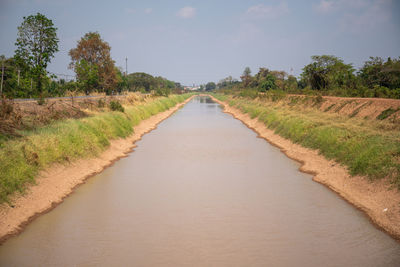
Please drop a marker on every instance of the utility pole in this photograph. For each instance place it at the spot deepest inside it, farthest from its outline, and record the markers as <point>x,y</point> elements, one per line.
<point>2,77</point>
<point>126,66</point>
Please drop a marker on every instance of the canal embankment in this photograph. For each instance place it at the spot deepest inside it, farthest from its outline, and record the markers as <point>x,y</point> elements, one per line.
<point>39,170</point>
<point>354,157</point>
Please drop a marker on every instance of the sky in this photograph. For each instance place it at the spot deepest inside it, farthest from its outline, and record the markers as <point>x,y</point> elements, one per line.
<point>194,42</point>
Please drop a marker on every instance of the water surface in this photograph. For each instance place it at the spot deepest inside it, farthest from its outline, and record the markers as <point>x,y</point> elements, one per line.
<point>202,190</point>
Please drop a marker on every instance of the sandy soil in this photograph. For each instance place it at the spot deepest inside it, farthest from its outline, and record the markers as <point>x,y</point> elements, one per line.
<point>57,182</point>
<point>377,199</point>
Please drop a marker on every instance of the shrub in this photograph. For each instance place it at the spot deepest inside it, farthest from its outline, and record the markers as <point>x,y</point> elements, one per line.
<point>101,103</point>
<point>116,106</point>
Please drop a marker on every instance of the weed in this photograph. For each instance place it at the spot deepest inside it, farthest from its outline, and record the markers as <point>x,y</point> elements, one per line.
<point>101,103</point>
<point>386,113</point>
<point>329,108</point>
<point>116,106</point>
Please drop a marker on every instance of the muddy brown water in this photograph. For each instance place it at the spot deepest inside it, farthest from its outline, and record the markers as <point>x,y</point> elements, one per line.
<point>202,190</point>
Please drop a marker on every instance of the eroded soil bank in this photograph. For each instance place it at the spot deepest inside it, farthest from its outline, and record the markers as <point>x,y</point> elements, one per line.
<point>377,199</point>
<point>57,182</point>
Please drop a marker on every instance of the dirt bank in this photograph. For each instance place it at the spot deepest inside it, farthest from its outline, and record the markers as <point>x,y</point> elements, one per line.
<point>376,199</point>
<point>57,182</point>
<point>367,108</point>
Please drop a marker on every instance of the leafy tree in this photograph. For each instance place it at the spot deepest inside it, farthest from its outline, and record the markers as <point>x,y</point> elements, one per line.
<point>37,42</point>
<point>141,81</point>
<point>377,72</point>
<point>246,77</point>
<point>210,86</point>
<point>87,75</point>
<point>291,83</point>
<point>96,53</point>
<point>11,87</point>
<point>268,83</point>
<point>327,72</point>
<point>247,72</point>
<point>122,80</point>
<point>227,82</point>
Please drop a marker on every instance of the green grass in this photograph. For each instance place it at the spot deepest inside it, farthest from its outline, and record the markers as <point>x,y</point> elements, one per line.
<point>386,113</point>
<point>367,149</point>
<point>21,159</point>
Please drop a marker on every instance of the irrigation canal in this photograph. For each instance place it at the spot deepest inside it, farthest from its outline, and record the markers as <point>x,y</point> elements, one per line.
<point>202,190</point>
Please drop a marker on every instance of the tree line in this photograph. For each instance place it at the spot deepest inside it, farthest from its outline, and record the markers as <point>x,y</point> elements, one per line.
<point>25,74</point>
<point>327,75</point>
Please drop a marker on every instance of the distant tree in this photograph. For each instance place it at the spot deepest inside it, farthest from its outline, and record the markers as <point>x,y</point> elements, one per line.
<point>246,77</point>
<point>261,74</point>
<point>210,86</point>
<point>268,83</point>
<point>247,72</point>
<point>96,53</point>
<point>327,72</point>
<point>291,83</point>
<point>377,72</point>
<point>226,82</point>
<point>141,81</point>
<point>37,42</point>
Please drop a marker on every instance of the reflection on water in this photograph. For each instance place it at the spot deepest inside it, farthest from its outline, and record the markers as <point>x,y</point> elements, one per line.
<point>202,190</point>
<point>206,100</point>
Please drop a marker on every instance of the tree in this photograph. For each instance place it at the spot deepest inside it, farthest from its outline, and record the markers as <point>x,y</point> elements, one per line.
<point>268,83</point>
<point>210,86</point>
<point>328,72</point>
<point>96,53</point>
<point>291,83</point>
<point>141,81</point>
<point>37,42</point>
<point>87,75</point>
<point>247,72</point>
<point>377,72</point>
<point>246,77</point>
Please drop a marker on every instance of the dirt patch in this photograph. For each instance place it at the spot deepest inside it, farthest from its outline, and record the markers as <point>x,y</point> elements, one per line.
<point>57,182</point>
<point>377,199</point>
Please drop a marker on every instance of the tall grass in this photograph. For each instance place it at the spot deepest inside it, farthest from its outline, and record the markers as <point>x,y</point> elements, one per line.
<point>21,159</point>
<point>365,148</point>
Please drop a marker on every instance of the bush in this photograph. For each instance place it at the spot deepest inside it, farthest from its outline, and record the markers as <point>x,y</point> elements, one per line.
<point>116,106</point>
<point>101,103</point>
<point>251,93</point>
<point>162,92</point>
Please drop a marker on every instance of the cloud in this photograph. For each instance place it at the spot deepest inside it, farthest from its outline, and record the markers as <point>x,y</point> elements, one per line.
<point>130,10</point>
<point>324,6</point>
<point>148,10</point>
<point>356,15</point>
<point>262,11</point>
<point>187,12</point>
<point>371,16</point>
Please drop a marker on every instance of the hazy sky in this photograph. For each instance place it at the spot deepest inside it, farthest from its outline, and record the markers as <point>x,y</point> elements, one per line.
<point>200,41</point>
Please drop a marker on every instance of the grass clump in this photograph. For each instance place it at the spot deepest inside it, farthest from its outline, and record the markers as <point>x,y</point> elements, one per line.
<point>63,141</point>
<point>116,106</point>
<point>386,113</point>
